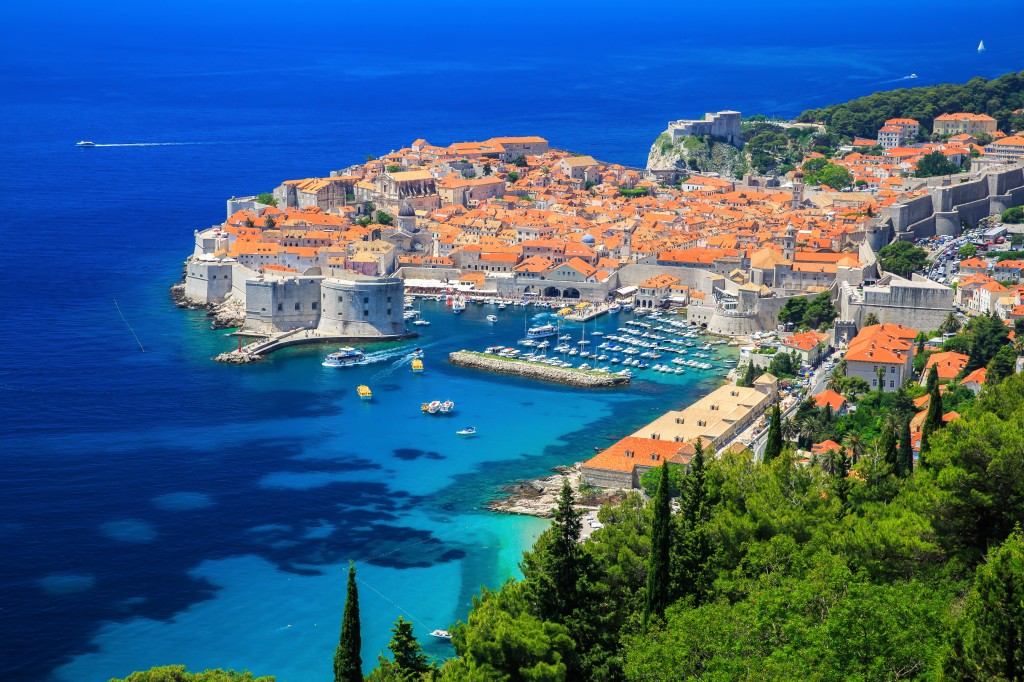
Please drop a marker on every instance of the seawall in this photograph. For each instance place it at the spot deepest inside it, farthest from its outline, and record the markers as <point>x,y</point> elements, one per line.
<point>571,377</point>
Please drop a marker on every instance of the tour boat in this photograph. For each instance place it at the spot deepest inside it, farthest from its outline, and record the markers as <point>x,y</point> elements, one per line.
<point>492,318</point>
<point>468,431</point>
<point>344,357</point>
<point>441,634</point>
<point>85,143</point>
<point>417,366</point>
<point>364,392</point>
<point>541,331</point>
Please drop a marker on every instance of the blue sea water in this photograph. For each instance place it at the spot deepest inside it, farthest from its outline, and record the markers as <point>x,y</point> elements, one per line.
<point>156,507</point>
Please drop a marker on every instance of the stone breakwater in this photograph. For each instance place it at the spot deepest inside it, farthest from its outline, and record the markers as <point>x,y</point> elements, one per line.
<point>572,377</point>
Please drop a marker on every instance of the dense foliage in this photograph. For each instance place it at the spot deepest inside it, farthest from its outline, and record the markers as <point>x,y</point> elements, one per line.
<point>902,258</point>
<point>862,117</point>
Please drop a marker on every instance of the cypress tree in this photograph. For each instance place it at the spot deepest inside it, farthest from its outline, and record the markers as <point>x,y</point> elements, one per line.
<point>773,448</point>
<point>906,453</point>
<point>348,662</point>
<point>409,656</point>
<point>658,573</point>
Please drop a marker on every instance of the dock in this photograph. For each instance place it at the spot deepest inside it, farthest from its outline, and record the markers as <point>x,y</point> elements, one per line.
<point>257,350</point>
<point>580,378</point>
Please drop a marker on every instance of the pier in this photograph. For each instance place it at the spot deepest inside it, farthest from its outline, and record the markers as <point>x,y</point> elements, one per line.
<point>580,378</point>
<point>257,350</point>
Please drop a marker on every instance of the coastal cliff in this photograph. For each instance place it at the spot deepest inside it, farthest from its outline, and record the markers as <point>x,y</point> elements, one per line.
<point>572,377</point>
<point>703,154</point>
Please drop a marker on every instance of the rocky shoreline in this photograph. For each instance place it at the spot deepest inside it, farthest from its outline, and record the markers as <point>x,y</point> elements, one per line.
<point>572,377</point>
<point>539,496</point>
<point>226,315</point>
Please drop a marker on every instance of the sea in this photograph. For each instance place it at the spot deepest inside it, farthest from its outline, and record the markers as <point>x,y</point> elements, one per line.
<point>157,507</point>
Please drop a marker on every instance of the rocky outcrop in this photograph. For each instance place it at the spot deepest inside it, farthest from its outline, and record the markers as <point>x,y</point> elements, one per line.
<point>690,154</point>
<point>572,377</point>
<point>228,314</point>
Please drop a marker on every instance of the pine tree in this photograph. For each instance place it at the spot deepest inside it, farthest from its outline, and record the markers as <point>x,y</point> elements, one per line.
<point>348,662</point>
<point>773,448</point>
<point>906,453</point>
<point>658,574</point>
<point>409,656</point>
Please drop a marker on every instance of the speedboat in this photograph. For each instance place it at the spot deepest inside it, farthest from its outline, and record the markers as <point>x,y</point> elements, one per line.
<point>85,143</point>
<point>468,431</point>
<point>344,357</point>
<point>364,392</point>
<point>492,318</point>
<point>441,634</point>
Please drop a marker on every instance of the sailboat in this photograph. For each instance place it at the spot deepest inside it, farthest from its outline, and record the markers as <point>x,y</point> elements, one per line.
<point>981,46</point>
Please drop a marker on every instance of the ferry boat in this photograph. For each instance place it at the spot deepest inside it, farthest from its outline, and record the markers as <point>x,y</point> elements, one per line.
<point>541,331</point>
<point>417,366</point>
<point>344,357</point>
<point>364,392</point>
<point>468,431</point>
<point>85,143</point>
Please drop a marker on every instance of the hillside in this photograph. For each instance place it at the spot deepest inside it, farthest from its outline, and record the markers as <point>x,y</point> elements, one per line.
<point>862,117</point>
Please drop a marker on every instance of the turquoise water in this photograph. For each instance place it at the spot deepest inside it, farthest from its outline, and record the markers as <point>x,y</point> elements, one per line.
<point>280,474</point>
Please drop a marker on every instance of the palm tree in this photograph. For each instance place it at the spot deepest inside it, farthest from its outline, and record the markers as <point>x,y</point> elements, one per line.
<point>855,446</point>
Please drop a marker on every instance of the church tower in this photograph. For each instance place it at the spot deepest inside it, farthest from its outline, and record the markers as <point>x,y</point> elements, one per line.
<point>798,189</point>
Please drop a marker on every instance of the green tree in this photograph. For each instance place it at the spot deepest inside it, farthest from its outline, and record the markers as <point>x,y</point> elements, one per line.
<point>773,446</point>
<point>267,199</point>
<point>178,673</point>
<point>992,639</point>
<point>1013,215</point>
<point>906,453</point>
<point>348,661</point>
<point>967,251</point>
<point>1002,364</point>
<point>658,564</point>
<point>902,258</point>
<point>410,661</point>
<point>988,335</point>
<point>935,163</point>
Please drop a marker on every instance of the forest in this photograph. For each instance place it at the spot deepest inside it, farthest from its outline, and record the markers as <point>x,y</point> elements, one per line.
<point>862,117</point>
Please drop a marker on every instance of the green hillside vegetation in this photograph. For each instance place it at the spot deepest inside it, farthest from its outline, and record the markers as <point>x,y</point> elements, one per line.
<point>862,117</point>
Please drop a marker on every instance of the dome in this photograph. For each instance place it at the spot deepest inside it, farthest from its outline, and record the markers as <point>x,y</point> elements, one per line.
<point>406,211</point>
<point>588,239</point>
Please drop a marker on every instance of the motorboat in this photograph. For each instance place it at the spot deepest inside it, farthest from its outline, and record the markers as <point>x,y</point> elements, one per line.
<point>85,143</point>
<point>344,357</point>
<point>441,634</point>
<point>492,318</point>
<point>468,431</point>
<point>542,331</point>
<point>364,392</point>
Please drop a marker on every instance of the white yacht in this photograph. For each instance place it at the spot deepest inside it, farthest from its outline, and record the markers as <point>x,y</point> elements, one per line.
<point>344,357</point>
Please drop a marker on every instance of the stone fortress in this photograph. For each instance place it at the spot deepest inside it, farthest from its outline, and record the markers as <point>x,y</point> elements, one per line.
<point>723,124</point>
